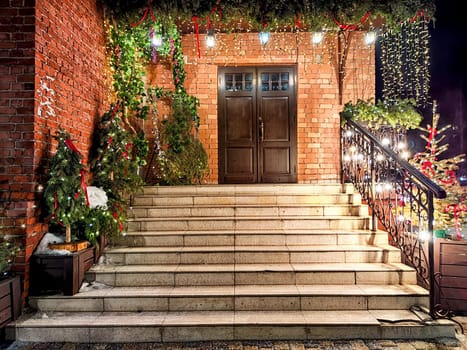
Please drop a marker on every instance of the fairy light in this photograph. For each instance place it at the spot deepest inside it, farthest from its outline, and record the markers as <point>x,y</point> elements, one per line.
<point>370,38</point>
<point>210,38</point>
<point>264,37</point>
<point>317,38</point>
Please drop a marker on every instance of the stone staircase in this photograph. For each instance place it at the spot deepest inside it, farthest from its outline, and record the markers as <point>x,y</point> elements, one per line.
<point>242,262</point>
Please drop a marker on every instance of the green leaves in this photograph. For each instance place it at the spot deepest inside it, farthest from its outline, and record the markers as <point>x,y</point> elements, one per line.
<point>398,113</point>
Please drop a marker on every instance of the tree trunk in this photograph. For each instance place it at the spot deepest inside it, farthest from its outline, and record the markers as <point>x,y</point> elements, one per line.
<point>68,234</point>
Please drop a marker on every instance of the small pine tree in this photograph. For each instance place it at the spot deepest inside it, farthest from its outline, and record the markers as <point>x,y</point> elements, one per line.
<point>452,210</point>
<point>117,155</point>
<point>65,190</point>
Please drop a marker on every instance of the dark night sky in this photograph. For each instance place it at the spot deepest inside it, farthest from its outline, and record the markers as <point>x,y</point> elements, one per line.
<point>449,74</point>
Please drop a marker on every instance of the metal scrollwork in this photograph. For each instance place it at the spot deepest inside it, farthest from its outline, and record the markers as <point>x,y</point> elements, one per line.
<point>400,197</point>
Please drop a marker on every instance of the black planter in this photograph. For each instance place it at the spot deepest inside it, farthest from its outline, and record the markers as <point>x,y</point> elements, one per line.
<point>10,300</point>
<point>52,274</point>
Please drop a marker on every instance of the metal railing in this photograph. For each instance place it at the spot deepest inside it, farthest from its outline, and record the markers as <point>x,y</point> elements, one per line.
<point>399,196</point>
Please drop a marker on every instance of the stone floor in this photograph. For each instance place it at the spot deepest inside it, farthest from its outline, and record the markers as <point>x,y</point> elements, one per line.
<point>460,343</point>
<point>441,344</point>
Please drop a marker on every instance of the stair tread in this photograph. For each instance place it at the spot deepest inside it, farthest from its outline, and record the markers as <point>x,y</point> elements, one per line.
<point>254,248</point>
<point>243,290</point>
<point>292,267</point>
<point>219,318</point>
<point>251,218</point>
<point>256,232</point>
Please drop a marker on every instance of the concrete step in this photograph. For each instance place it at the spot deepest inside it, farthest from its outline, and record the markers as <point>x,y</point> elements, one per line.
<point>114,327</point>
<point>250,223</point>
<point>274,237</point>
<point>248,189</point>
<point>245,274</point>
<point>235,298</point>
<point>252,254</point>
<point>272,210</point>
<point>239,199</point>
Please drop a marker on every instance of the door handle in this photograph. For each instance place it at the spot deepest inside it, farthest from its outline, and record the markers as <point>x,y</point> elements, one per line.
<point>261,129</point>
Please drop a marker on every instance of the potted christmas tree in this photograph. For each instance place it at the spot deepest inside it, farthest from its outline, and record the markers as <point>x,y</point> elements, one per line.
<point>10,284</point>
<point>65,193</point>
<point>60,265</point>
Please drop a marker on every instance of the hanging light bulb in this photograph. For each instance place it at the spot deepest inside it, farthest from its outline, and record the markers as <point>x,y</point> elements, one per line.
<point>157,40</point>
<point>317,38</point>
<point>370,38</point>
<point>210,38</point>
<point>264,37</point>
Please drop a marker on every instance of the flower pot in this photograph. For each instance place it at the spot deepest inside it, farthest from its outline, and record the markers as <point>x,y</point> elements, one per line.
<point>10,300</point>
<point>52,274</point>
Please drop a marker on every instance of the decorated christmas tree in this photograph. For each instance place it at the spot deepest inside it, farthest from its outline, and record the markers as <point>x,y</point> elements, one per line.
<point>450,212</point>
<point>117,156</point>
<point>65,192</point>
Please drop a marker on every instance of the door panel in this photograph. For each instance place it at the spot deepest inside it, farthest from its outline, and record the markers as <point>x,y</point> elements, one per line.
<point>257,124</point>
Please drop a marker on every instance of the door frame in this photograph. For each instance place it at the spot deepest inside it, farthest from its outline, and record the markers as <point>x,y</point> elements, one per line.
<point>257,173</point>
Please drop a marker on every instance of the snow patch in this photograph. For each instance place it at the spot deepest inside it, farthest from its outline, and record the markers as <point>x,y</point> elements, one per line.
<point>43,247</point>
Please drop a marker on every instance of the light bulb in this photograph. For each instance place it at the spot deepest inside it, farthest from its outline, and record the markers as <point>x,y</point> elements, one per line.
<point>264,37</point>
<point>156,40</point>
<point>210,39</point>
<point>317,37</point>
<point>370,38</point>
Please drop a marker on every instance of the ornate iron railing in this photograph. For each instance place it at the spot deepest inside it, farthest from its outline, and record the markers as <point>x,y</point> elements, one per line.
<point>399,196</point>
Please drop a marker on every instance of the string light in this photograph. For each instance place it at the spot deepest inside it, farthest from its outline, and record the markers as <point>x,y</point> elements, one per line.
<point>370,38</point>
<point>317,38</point>
<point>264,37</point>
<point>210,38</point>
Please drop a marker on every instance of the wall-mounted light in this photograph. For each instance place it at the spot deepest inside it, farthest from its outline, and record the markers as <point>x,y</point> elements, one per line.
<point>317,38</point>
<point>264,37</point>
<point>370,38</point>
<point>210,38</point>
<point>156,40</point>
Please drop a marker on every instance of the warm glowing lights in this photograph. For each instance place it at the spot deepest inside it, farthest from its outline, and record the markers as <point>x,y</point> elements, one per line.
<point>156,40</point>
<point>210,39</point>
<point>264,37</point>
<point>370,38</point>
<point>317,38</point>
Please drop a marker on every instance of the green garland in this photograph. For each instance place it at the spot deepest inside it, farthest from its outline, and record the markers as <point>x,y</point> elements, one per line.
<point>397,113</point>
<point>311,14</point>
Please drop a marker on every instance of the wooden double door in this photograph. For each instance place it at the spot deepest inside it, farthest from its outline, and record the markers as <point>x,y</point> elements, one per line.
<point>257,125</point>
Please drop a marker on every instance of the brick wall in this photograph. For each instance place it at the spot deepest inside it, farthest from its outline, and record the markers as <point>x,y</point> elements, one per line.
<point>52,73</point>
<point>318,102</point>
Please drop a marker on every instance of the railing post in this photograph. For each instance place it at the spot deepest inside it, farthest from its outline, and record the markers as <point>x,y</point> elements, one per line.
<point>373,184</point>
<point>431,258</point>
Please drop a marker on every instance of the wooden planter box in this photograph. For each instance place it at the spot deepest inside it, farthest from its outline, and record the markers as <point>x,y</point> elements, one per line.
<point>52,274</point>
<point>10,300</point>
<point>451,275</point>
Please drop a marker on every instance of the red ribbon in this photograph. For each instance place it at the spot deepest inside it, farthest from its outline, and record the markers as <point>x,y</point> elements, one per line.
<point>146,11</point>
<point>451,175</point>
<point>71,146</point>
<point>115,216</point>
<point>83,187</point>
<point>455,209</point>
<point>427,168</point>
<point>195,22</point>
<point>298,23</point>
<point>355,26</point>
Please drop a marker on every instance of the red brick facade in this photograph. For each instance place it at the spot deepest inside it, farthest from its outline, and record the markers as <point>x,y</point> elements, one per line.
<point>318,103</point>
<point>52,73</point>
